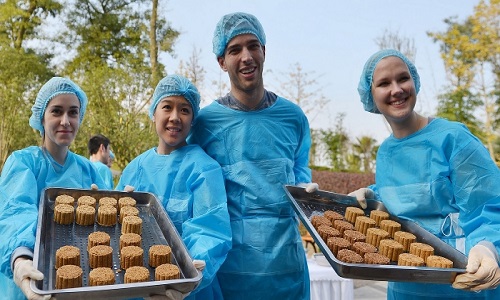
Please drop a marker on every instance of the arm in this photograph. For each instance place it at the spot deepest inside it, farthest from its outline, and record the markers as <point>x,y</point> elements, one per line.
<point>207,234</point>
<point>18,209</point>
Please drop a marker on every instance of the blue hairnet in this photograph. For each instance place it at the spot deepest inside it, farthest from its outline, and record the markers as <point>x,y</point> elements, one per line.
<point>54,87</point>
<point>111,154</point>
<point>176,85</point>
<point>235,24</point>
<point>366,80</point>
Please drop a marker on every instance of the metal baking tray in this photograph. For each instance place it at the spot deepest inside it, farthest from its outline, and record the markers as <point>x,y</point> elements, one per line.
<point>307,205</point>
<point>157,228</point>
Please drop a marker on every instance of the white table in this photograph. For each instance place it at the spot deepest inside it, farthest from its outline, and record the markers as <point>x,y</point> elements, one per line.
<point>326,284</point>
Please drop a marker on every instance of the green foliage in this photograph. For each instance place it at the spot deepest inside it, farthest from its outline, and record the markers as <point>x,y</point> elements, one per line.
<point>470,51</point>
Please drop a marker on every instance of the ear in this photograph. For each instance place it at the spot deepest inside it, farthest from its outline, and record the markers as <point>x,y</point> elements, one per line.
<point>264,51</point>
<point>222,63</point>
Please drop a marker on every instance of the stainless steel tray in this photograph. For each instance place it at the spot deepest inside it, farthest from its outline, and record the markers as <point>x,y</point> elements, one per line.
<point>307,205</point>
<point>157,229</point>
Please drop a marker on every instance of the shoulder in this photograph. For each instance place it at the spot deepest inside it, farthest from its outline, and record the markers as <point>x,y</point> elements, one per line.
<point>195,154</point>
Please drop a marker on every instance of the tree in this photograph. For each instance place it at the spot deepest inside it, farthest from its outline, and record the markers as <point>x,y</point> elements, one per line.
<point>337,142</point>
<point>365,152</point>
<point>192,70</point>
<point>301,89</point>
<point>467,48</point>
<point>19,22</point>
<point>114,60</point>
<point>392,40</point>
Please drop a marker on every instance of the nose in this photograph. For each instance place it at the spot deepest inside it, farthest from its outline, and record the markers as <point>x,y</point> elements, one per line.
<point>397,89</point>
<point>246,55</point>
<point>174,115</point>
<point>65,120</point>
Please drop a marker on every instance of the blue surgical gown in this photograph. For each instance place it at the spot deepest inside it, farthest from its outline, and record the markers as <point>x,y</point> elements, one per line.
<point>441,177</point>
<point>25,174</point>
<point>106,175</point>
<point>190,186</point>
<point>259,152</point>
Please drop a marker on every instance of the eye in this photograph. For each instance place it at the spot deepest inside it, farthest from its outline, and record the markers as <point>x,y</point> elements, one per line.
<point>254,46</point>
<point>56,111</point>
<point>166,107</point>
<point>186,111</point>
<point>74,112</point>
<point>382,84</point>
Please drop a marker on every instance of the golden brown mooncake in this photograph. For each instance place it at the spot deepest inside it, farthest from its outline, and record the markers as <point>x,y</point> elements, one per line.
<point>64,214</point>
<point>436,261</point>
<point>67,255</point>
<point>87,200</point>
<point>136,274</point>
<point>85,215</point>
<point>159,255</point>
<point>362,224</point>
<point>333,215</point>
<point>132,224</point>
<point>390,248</point>
<point>126,201</point>
<point>128,211</point>
<point>98,238</point>
<point>336,243</point>
<point>106,215</point>
<point>101,276</point>
<point>65,199</point>
<point>167,272</point>
<point>349,256</point>
<point>378,216</point>
<point>130,239</point>
<point>375,235</point>
<point>69,276</point>
<point>351,213</point>
<point>101,256</point>
<point>108,201</point>
<point>421,249</point>
<point>410,260</point>
<point>131,256</point>
<point>318,220</point>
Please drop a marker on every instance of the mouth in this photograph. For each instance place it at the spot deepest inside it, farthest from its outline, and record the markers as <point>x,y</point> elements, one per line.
<point>398,102</point>
<point>173,129</point>
<point>248,71</point>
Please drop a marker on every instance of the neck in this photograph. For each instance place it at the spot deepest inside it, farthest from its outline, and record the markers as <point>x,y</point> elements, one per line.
<point>58,153</point>
<point>250,98</point>
<point>410,126</point>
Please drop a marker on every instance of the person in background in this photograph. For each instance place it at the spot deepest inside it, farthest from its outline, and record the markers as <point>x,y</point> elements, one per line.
<point>187,182</point>
<point>111,159</point>
<point>100,154</point>
<point>436,173</point>
<point>57,114</point>
<point>262,142</point>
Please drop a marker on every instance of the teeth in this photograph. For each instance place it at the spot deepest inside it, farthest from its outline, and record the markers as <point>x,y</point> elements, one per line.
<point>247,71</point>
<point>398,102</point>
<point>174,129</point>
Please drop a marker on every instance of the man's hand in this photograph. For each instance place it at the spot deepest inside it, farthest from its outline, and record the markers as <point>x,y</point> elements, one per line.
<point>361,195</point>
<point>309,187</point>
<point>94,187</point>
<point>482,269</point>
<point>128,188</point>
<point>23,272</point>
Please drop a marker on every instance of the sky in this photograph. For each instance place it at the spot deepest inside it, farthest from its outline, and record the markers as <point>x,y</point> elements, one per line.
<point>331,40</point>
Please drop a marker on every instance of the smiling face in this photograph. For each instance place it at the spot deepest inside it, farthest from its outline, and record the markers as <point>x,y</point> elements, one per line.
<point>393,90</point>
<point>173,117</point>
<point>244,61</point>
<point>61,121</point>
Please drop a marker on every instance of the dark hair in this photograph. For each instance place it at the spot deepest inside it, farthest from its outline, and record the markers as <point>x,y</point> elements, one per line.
<point>95,143</point>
